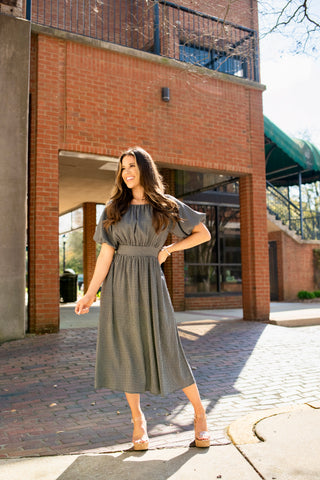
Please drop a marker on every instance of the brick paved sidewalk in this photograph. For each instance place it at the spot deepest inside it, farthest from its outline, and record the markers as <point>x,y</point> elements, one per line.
<point>48,405</point>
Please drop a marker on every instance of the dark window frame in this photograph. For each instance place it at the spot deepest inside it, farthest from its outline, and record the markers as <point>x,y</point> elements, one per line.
<point>219,264</point>
<point>218,61</point>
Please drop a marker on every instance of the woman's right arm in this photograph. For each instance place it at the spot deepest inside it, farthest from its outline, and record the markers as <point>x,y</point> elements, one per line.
<point>100,272</point>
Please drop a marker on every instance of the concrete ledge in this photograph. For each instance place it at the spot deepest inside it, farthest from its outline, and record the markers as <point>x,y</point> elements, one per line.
<point>289,445</point>
<point>243,430</point>
<point>297,322</point>
<point>314,404</point>
<point>296,318</point>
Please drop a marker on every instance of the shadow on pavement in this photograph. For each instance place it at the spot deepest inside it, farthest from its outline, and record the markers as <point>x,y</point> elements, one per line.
<point>218,351</point>
<point>49,405</point>
<point>131,465</point>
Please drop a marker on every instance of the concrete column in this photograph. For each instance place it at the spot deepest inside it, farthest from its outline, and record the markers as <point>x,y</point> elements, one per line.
<point>89,245</point>
<point>14,87</point>
<point>254,249</point>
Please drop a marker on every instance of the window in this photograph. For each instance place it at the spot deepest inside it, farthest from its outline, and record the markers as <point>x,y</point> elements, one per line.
<point>99,210</point>
<point>204,57</point>
<point>71,221</point>
<point>215,266</point>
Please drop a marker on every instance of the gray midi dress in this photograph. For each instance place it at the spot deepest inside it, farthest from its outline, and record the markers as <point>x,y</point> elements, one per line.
<point>138,347</point>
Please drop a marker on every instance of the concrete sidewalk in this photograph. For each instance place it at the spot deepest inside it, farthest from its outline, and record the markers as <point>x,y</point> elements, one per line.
<point>281,444</point>
<point>176,463</point>
<point>295,314</point>
<point>258,381</point>
<point>278,444</point>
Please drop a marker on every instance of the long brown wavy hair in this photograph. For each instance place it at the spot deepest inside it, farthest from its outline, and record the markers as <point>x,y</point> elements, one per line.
<point>164,209</point>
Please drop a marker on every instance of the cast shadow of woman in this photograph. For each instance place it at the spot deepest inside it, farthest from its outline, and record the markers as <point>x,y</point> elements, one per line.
<point>131,465</point>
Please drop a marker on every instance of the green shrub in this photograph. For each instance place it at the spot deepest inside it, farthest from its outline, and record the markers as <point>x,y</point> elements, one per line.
<point>317,293</point>
<point>303,295</point>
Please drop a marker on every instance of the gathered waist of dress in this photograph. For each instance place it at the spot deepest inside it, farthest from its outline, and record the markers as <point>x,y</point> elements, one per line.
<point>138,250</point>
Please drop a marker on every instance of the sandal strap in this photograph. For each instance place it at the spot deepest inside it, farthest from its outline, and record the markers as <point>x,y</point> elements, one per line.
<point>200,417</point>
<point>144,438</point>
<point>204,435</point>
<point>138,419</point>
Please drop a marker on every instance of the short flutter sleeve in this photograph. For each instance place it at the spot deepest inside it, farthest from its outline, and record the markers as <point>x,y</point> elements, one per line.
<point>189,219</point>
<point>103,236</point>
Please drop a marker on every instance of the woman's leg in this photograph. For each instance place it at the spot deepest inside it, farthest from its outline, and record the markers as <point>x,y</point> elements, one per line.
<point>193,395</point>
<point>140,437</point>
<point>134,403</point>
<point>200,421</point>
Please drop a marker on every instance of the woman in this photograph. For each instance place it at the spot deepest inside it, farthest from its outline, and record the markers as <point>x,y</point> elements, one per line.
<point>138,347</point>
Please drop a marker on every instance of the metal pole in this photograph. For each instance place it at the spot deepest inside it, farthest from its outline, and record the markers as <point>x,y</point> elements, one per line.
<point>218,267</point>
<point>256,72</point>
<point>300,203</point>
<point>28,10</point>
<point>64,253</point>
<point>288,190</point>
<point>156,34</point>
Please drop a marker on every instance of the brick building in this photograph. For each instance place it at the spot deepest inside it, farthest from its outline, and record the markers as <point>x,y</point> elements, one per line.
<point>97,82</point>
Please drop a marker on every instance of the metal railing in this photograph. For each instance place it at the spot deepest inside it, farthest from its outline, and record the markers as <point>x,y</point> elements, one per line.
<point>311,226</point>
<point>290,214</point>
<point>156,26</point>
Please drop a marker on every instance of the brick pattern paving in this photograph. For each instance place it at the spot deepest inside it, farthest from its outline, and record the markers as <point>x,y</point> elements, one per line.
<point>49,406</point>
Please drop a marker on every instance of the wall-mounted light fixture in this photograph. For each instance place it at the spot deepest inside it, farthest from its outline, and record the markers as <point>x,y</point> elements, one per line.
<point>165,94</point>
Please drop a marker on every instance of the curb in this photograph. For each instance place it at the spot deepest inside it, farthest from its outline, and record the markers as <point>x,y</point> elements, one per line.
<point>243,430</point>
<point>296,322</point>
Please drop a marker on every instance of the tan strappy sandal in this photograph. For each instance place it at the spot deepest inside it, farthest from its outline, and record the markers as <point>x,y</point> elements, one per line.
<point>141,443</point>
<point>202,438</point>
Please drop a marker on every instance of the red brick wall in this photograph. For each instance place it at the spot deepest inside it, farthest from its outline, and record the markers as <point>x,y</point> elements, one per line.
<point>254,252</point>
<point>295,265</point>
<point>43,228</point>
<point>254,255</point>
<point>89,245</point>
<point>113,101</point>
<point>200,303</point>
<point>99,101</point>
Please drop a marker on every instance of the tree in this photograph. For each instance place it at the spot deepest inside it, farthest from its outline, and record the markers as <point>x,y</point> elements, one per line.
<point>73,251</point>
<point>298,20</point>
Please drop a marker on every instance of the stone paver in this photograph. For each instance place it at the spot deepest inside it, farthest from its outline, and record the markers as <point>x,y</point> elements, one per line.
<point>48,405</point>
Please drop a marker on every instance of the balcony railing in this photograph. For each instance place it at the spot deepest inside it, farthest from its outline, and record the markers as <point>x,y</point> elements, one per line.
<point>156,26</point>
<point>305,224</point>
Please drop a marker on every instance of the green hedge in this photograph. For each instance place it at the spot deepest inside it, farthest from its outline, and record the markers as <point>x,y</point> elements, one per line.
<point>304,295</point>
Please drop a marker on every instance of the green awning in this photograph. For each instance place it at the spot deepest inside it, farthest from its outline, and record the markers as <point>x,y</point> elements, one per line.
<point>286,157</point>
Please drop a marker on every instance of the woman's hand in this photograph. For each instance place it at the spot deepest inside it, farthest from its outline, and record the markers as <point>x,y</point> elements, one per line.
<point>84,304</point>
<point>163,255</point>
<point>199,234</point>
<point>101,270</point>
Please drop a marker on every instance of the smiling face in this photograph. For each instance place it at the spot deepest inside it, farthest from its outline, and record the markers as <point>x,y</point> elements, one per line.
<point>130,172</point>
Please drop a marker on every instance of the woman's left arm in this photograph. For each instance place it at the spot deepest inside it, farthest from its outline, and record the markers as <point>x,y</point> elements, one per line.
<point>199,234</point>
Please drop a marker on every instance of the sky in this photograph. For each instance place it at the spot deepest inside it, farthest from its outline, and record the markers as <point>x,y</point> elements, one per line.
<point>292,97</point>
